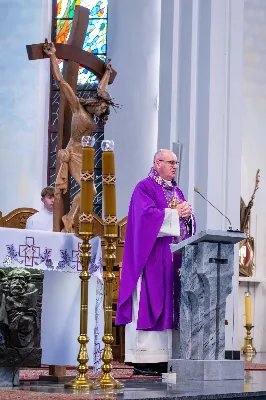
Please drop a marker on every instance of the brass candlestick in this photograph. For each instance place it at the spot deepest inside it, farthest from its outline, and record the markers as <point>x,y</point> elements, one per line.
<point>110,235</point>
<point>82,381</point>
<point>85,232</point>
<point>248,346</point>
<point>107,381</point>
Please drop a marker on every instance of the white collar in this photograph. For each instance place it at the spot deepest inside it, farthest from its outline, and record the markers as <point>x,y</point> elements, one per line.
<point>47,212</point>
<point>169,182</point>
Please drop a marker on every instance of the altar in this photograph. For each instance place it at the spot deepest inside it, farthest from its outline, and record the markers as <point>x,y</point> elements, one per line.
<point>57,255</point>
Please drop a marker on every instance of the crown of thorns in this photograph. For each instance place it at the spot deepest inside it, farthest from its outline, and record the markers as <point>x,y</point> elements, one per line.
<point>101,95</point>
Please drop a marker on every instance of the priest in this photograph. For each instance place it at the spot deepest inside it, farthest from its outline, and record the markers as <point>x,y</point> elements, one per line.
<point>43,220</point>
<point>149,294</point>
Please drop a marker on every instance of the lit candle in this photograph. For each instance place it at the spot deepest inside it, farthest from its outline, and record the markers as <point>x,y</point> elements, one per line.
<point>109,194</point>
<point>248,308</point>
<point>87,186</point>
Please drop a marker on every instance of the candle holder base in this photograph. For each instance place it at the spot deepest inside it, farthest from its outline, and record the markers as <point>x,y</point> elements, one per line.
<point>248,347</point>
<point>248,357</point>
<point>107,381</point>
<point>81,382</point>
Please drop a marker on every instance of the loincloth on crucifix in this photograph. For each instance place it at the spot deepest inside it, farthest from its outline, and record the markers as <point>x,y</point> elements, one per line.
<point>71,159</point>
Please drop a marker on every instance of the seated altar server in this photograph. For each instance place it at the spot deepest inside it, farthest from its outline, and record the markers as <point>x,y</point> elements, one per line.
<point>43,220</point>
<point>150,282</point>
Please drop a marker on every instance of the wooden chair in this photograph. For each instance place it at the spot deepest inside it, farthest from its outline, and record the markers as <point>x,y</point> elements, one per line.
<point>16,218</point>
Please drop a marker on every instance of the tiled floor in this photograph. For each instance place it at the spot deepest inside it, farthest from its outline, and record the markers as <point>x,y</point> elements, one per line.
<point>253,387</point>
<point>255,382</point>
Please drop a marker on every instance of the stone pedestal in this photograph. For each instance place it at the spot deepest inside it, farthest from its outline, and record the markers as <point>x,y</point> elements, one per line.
<point>207,370</point>
<point>9,376</point>
<point>20,322</point>
<point>207,272</point>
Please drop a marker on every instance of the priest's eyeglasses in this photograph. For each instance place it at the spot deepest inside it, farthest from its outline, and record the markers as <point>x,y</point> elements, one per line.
<point>171,162</point>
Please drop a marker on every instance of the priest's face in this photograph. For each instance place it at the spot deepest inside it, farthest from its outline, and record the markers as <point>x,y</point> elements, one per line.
<point>166,165</point>
<point>48,202</point>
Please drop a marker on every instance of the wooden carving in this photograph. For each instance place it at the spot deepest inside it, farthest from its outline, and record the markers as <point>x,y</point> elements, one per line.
<point>76,116</point>
<point>17,218</point>
<point>246,254</point>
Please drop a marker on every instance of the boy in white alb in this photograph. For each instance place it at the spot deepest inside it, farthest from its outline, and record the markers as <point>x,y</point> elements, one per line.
<point>43,220</point>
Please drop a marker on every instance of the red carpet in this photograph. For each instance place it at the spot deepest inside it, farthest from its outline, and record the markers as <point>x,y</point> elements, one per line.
<point>26,395</point>
<point>249,366</point>
<point>120,371</point>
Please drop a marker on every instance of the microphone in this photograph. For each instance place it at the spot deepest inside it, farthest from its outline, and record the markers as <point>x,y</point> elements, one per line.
<point>197,191</point>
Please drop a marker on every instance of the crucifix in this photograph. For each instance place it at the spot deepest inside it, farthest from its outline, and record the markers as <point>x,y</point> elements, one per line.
<point>76,116</point>
<point>76,119</point>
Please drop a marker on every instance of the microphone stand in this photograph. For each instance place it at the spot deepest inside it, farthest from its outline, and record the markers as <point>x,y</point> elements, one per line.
<point>230,225</point>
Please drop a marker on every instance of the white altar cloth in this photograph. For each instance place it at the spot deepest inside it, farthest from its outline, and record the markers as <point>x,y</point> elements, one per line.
<point>47,251</point>
<point>54,252</point>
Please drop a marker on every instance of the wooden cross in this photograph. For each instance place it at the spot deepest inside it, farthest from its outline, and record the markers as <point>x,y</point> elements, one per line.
<point>73,57</point>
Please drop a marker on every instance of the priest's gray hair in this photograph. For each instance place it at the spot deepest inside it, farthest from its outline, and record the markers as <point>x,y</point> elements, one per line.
<point>159,154</point>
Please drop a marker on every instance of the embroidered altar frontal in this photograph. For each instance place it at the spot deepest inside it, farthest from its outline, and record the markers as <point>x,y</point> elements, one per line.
<point>46,251</point>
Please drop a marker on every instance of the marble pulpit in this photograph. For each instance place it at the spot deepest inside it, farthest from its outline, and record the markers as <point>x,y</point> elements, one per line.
<point>206,281</point>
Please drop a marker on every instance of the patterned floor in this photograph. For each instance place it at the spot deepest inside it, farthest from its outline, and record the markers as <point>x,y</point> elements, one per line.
<point>22,395</point>
<point>255,362</point>
<point>28,376</point>
<point>120,371</point>
<point>253,386</point>
<point>254,367</point>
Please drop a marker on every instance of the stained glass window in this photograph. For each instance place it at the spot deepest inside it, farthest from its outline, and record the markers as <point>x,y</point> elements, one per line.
<point>66,8</point>
<point>96,36</point>
<point>95,42</point>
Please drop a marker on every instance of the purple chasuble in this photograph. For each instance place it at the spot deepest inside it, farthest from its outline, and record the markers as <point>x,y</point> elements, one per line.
<point>146,254</point>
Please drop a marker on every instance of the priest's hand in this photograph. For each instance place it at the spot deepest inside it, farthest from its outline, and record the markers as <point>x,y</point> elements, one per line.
<point>184,209</point>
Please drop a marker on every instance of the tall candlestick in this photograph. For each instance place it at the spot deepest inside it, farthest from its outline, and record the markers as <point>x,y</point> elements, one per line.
<point>85,230</point>
<point>109,195</point>
<point>107,381</point>
<point>87,187</point>
<point>248,308</point>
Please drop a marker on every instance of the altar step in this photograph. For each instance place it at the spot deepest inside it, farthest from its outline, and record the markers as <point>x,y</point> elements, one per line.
<point>253,388</point>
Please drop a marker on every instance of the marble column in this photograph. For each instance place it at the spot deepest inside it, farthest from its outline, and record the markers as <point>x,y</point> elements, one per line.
<point>24,101</point>
<point>168,74</point>
<point>209,116</point>
<point>134,47</point>
<point>253,153</point>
